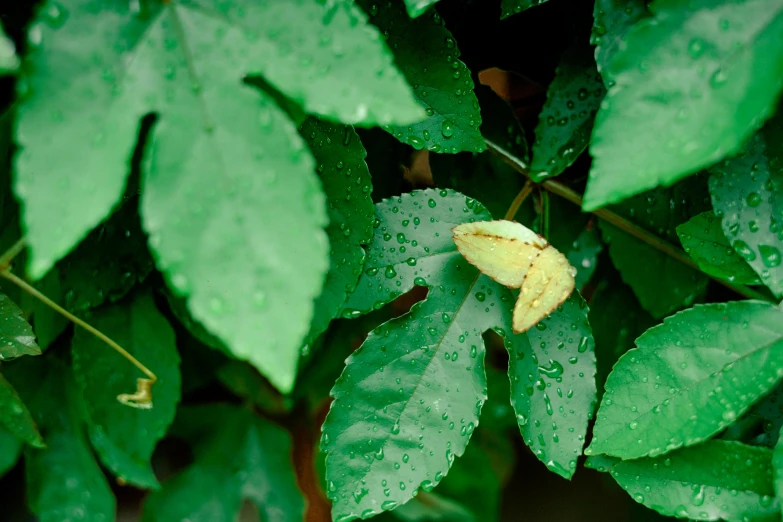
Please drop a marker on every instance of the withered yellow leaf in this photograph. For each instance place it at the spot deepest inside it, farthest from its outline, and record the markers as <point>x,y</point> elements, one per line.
<point>517,257</point>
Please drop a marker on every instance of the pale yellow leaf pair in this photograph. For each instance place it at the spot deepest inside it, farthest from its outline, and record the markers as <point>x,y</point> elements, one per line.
<point>517,257</point>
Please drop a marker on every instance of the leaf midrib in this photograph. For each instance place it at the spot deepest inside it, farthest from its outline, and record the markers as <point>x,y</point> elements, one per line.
<point>437,346</point>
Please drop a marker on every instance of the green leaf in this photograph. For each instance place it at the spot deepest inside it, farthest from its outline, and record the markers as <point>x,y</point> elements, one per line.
<point>15,417</point>
<point>418,7</point>
<point>10,449</point>
<point>427,54</point>
<point>566,121</point>
<point>237,455</point>
<point>703,239</point>
<point>431,507</point>
<point>777,468</point>
<point>16,335</point>
<point>691,85</point>
<point>9,62</point>
<point>58,476</point>
<point>575,235</point>
<point>499,124</point>
<point>409,398</point>
<point>611,21</point>
<point>472,481</point>
<point>747,191</point>
<point>108,263</point>
<point>339,157</point>
<point>48,323</point>
<point>717,480</point>
<point>216,219</point>
<point>512,7</point>
<point>552,373</point>
<point>617,319</point>
<point>88,116</point>
<point>484,177</point>
<point>658,211</point>
<point>689,378</point>
<point>125,437</point>
<point>244,381</point>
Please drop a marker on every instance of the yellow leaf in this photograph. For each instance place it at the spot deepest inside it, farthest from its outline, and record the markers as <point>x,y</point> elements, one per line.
<point>517,257</point>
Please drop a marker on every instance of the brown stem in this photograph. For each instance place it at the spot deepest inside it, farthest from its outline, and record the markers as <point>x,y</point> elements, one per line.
<point>518,200</point>
<point>620,222</point>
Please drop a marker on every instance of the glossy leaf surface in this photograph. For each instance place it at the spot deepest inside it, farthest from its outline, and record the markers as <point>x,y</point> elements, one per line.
<point>707,73</point>
<point>689,378</point>
<point>703,239</point>
<point>427,54</point>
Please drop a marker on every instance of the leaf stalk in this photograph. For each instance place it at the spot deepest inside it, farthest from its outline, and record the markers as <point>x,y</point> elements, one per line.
<point>142,398</point>
<point>559,189</point>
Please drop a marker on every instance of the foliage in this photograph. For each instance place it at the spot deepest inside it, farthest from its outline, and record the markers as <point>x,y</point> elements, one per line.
<point>237,206</point>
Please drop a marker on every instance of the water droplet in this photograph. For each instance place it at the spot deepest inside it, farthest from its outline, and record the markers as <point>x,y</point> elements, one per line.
<point>447,129</point>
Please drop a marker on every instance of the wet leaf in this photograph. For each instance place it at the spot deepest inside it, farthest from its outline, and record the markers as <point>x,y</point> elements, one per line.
<point>409,398</point>
<point>552,373</point>
<point>107,263</point>
<point>717,480</point>
<point>427,54</point>
<point>418,7</point>
<point>689,378</point>
<point>777,468</point>
<point>658,211</point>
<point>339,157</point>
<point>692,84</point>
<point>15,417</point>
<point>88,116</point>
<point>512,7</point>
<point>703,239</point>
<point>124,437</point>
<point>484,177</point>
<point>747,192</point>
<point>617,319</point>
<point>611,21</point>
<point>16,335</point>
<point>575,234</point>
<point>236,455</point>
<point>59,476</point>
<point>193,221</point>
<point>566,121</point>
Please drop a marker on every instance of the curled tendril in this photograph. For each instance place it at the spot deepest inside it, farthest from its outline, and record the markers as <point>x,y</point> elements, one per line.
<point>142,399</point>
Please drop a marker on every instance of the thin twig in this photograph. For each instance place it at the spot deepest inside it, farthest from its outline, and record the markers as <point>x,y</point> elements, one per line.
<point>21,283</point>
<point>518,200</point>
<point>8,256</point>
<point>620,222</point>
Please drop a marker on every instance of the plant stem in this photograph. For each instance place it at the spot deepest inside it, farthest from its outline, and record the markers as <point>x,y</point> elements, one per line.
<point>9,255</point>
<point>518,200</point>
<point>21,283</point>
<point>620,222</point>
<point>545,214</point>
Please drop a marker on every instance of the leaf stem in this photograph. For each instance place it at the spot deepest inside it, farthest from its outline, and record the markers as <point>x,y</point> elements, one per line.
<point>620,222</point>
<point>545,214</point>
<point>518,200</point>
<point>8,256</point>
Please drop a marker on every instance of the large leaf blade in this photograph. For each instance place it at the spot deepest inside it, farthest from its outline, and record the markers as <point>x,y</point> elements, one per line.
<point>689,378</point>
<point>427,54</point>
<point>214,193</point>
<point>124,437</point>
<point>691,84</point>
